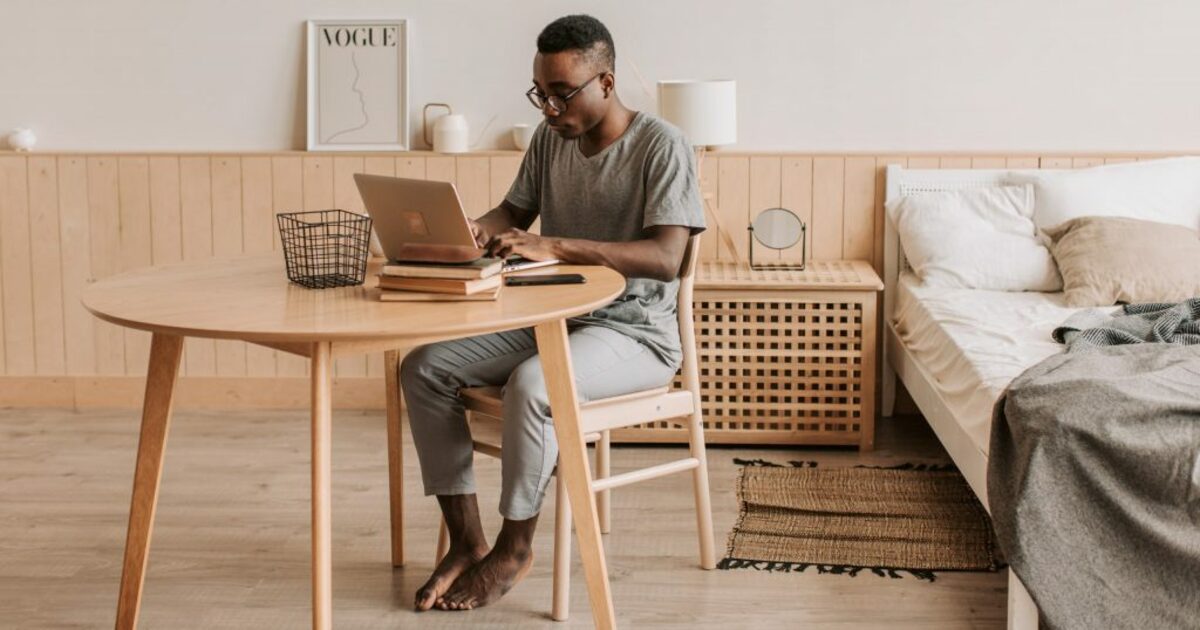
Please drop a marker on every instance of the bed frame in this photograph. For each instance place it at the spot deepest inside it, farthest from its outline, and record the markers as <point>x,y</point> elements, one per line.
<point>898,362</point>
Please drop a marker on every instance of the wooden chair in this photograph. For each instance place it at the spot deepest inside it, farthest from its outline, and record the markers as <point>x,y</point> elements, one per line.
<point>599,418</point>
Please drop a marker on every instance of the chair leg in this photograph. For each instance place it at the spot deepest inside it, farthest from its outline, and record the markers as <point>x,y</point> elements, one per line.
<point>395,449</point>
<point>704,526</point>
<point>603,470</point>
<point>443,544</point>
<point>560,606</point>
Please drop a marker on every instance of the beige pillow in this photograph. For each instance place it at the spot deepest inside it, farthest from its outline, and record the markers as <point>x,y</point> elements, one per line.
<point>1109,260</point>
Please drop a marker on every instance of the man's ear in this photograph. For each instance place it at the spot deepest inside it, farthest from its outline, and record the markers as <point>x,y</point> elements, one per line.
<point>609,83</point>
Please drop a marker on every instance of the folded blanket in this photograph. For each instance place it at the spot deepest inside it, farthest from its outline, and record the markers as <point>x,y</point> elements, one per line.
<point>1134,323</point>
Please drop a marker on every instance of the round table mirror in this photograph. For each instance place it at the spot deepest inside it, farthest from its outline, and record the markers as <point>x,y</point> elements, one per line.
<point>779,229</point>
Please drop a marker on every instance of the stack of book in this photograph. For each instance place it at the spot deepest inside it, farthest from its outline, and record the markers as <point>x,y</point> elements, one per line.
<point>426,282</point>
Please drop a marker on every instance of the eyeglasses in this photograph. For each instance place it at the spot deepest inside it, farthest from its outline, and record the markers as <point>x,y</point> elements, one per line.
<point>556,102</point>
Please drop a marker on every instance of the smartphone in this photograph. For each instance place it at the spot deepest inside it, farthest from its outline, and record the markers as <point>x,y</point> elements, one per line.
<point>547,278</point>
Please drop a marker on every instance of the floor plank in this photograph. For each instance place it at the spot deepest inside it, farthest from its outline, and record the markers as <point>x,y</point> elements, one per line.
<point>231,542</point>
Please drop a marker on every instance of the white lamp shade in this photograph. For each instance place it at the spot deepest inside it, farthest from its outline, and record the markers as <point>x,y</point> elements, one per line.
<point>706,111</point>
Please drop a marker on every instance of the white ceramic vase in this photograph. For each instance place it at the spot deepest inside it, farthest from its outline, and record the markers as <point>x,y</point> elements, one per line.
<point>22,139</point>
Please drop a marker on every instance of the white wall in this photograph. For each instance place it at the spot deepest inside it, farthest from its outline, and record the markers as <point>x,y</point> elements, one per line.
<point>837,75</point>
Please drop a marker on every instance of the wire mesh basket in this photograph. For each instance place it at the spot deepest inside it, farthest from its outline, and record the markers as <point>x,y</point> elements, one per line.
<point>325,248</point>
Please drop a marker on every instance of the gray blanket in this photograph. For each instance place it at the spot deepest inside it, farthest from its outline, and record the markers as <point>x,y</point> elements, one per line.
<point>1094,476</point>
<point>1136,323</point>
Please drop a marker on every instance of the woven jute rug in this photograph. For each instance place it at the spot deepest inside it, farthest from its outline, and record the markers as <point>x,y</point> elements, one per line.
<point>916,519</point>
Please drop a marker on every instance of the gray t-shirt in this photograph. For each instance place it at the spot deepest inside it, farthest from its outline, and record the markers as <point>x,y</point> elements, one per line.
<point>646,177</point>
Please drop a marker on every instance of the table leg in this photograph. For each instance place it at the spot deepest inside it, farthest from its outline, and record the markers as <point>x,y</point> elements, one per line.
<point>165,351</point>
<point>395,448</point>
<point>573,465</point>
<point>322,414</point>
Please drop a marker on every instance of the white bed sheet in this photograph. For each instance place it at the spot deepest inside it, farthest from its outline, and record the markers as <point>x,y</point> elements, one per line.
<point>975,343</point>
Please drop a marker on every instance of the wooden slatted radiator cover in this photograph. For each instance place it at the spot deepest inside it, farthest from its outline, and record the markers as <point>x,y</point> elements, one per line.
<point>785,357</point>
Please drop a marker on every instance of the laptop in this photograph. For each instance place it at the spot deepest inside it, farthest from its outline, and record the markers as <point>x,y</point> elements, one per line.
<point>420,221</point>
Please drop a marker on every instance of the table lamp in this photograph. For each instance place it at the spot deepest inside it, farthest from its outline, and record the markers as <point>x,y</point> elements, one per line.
<point>706,112</point>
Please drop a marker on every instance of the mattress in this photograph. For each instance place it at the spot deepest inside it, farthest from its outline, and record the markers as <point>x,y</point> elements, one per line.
<point>974,343</point>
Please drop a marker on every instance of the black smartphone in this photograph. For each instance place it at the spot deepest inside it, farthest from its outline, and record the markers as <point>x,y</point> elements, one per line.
<point>543,279</point>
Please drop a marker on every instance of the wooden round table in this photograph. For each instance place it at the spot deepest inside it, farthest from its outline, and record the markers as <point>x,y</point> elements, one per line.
<point>250,299</point>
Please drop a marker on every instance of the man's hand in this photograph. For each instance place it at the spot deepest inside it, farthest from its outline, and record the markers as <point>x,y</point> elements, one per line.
<point>480,232</point>
<point>522,243</point>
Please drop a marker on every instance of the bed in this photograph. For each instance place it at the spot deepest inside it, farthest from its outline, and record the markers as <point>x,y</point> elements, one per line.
<point>1126,469</point>
<point>954,363</point>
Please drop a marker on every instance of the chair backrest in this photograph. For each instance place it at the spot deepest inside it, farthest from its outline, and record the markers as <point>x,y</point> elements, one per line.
<point>687,327</point>
<point>691,255</point>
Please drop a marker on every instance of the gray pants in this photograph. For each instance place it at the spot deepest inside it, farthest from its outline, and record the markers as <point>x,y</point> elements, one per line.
<point>606,363</point>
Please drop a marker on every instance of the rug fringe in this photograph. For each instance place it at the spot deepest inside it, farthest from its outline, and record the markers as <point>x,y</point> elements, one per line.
<point>738,461</point>
<point>834,569</point>
<point>794,463</point>
<point>912,466</point>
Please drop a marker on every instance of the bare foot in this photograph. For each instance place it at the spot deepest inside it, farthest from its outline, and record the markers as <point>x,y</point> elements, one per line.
<point>487,580</point>
<point>458,559</point>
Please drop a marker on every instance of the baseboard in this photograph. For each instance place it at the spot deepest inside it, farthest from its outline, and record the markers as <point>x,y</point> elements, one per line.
<point>126,392</point>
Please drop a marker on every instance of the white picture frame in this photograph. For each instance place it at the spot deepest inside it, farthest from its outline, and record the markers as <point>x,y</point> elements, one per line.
<point>358,85</point>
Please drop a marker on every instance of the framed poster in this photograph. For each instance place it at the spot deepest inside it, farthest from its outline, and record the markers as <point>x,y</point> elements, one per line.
<point>357,85</point>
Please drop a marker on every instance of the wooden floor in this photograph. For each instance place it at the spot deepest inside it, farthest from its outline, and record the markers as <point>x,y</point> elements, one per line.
<point>231,544</point>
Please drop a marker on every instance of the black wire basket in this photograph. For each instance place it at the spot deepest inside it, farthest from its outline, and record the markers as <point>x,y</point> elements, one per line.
<point>325,248</point>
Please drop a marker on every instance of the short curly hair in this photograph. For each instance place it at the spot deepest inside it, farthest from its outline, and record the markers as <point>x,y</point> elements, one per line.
<point>582,33</point>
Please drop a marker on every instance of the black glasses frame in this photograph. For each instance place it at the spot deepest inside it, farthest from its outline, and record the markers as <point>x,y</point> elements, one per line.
<point>556,102</point>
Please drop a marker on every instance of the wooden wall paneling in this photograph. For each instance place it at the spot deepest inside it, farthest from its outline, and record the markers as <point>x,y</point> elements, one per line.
<point>345,191</point>
<point>502,171</point>
<point>346,197</point>
<point>258,225</point>
<point>473,183</point>
<point>166,231</point>
<point>796,194</point>
<point>766,191</point>
<point>50,355</point>
<point>828,198</point>
<point>377,166</point>
<point>196,219</point>
<point>136,245</point>
<point>858,209</point>
<point>75,236</point>
<point>227,218</point>
<point>1055,162</point>
<point>16,267</point>
<point>287,195</point>
<point>881,164</point>
<point>318,182</point>
<point>924,161</point>
<point>733,203</point>
<point>441,168</point>
<point>104,219</point>
<point>410,167</point>
<point>954,161</point>
<point>1021,161</point>
<point>992,161</point>
<point>710,179</point>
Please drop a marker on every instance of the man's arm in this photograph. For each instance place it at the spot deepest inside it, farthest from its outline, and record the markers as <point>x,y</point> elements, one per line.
<point>658,256</point>
<point>500,219</point>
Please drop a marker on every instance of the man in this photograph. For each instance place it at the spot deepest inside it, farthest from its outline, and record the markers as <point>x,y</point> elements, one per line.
<point>613,187</point>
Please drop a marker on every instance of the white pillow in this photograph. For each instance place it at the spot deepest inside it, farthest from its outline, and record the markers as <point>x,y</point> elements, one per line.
<point>1163,191</point>
<point>976,238</point>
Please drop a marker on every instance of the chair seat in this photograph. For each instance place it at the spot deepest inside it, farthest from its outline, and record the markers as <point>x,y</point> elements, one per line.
<point>650,405</point>
<point>486,421</point>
